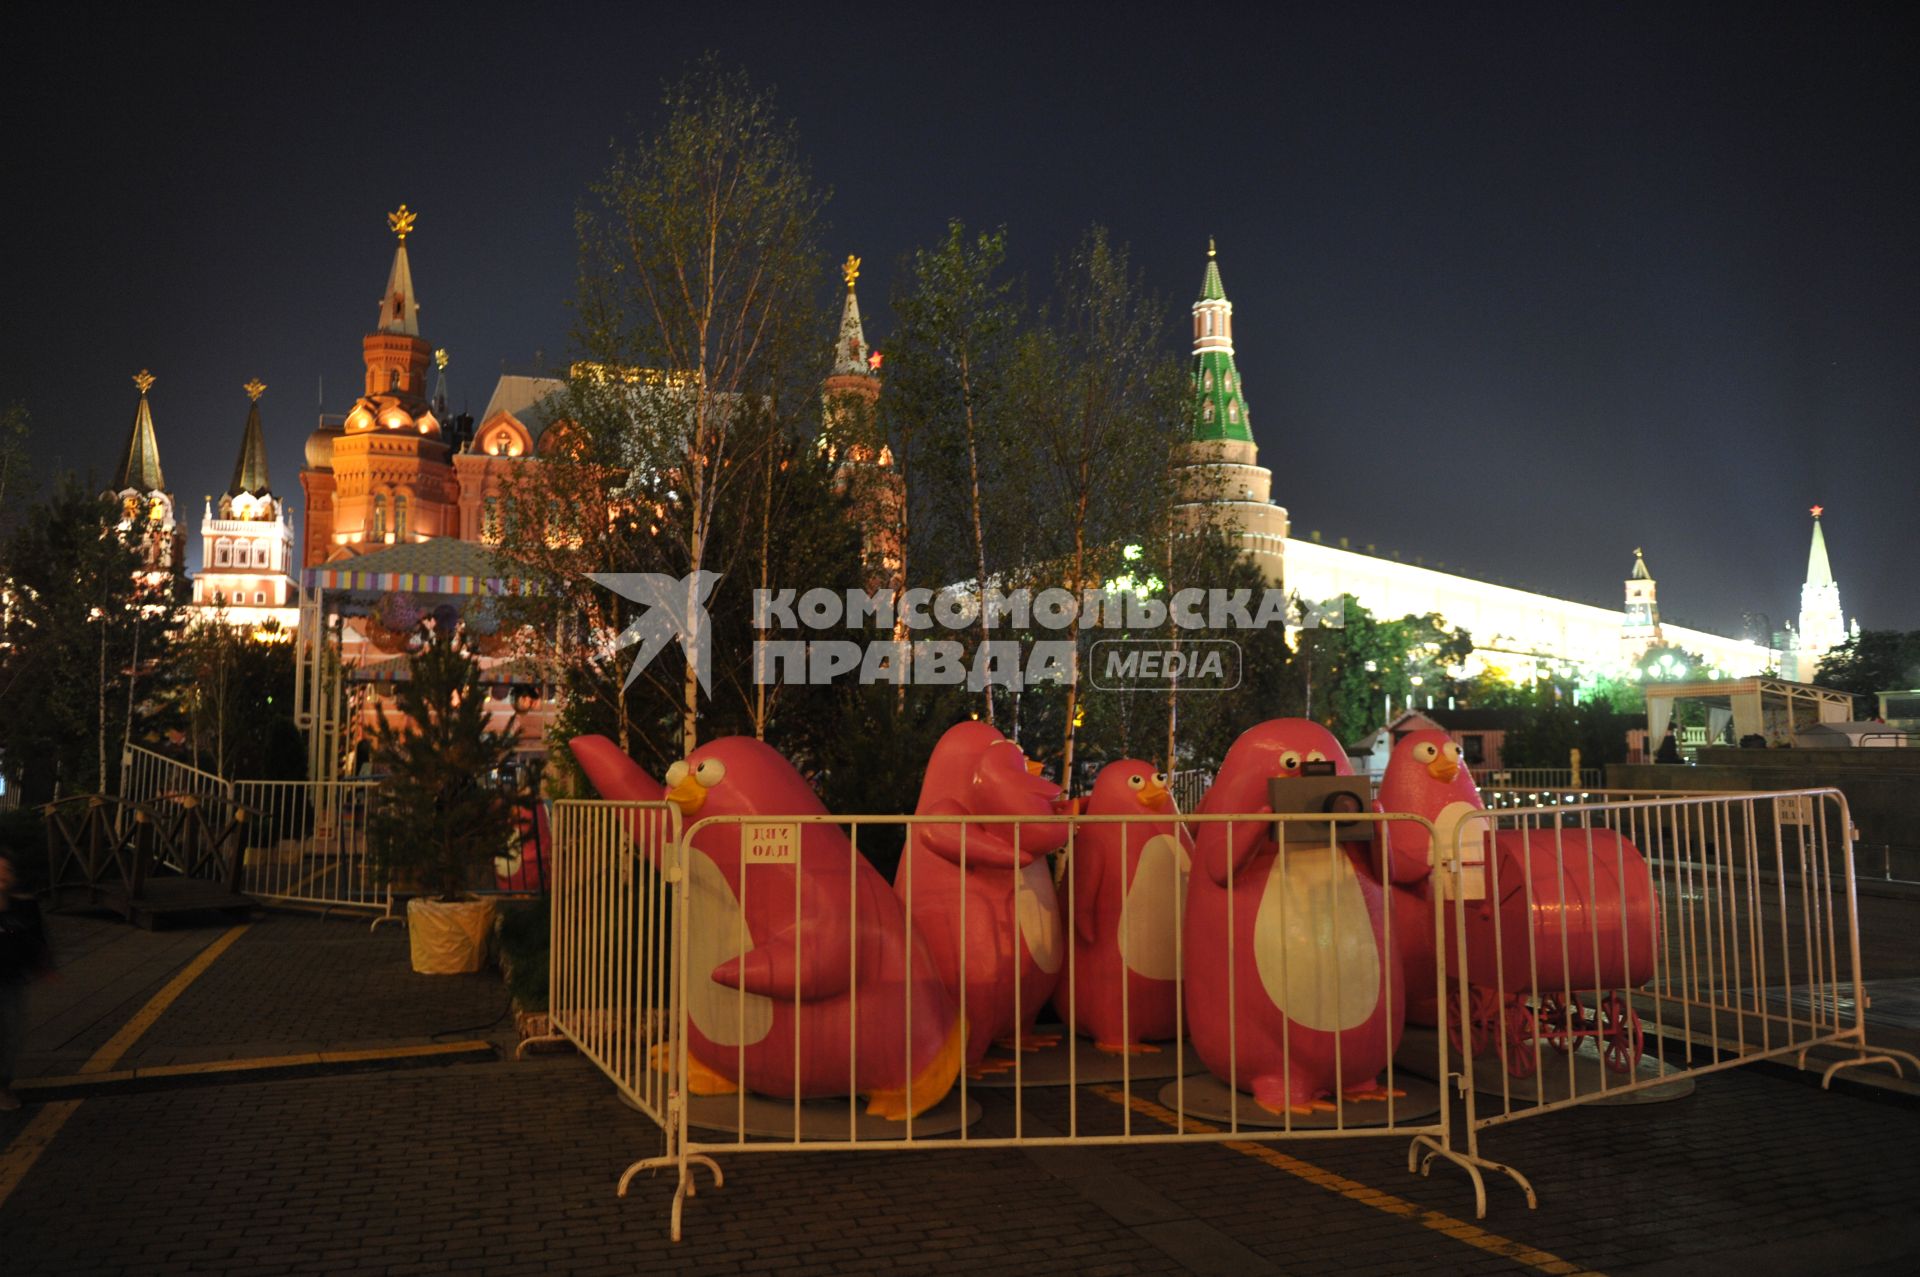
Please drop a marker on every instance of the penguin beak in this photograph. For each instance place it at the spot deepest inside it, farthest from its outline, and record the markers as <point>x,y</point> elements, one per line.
<point>1035,767</point>
<point>687,795</point>
<point>1152,794</point>
<point>1443,769</point>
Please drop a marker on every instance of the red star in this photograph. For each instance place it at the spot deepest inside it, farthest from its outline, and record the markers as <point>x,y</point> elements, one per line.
<point>1816,510</point>
<point>873,361</point>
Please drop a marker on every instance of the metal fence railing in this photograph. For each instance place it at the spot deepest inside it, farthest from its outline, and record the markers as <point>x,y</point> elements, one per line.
<point>610,960</point>
<point>1625,945</point>
<point>146,776</point>
<point>773,1001</point>
<point>306,844</point>
<point>1189,787</point>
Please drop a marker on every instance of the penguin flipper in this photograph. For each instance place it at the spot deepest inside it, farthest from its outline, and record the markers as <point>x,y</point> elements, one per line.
<point>985,847</point>
<point>773,970</point>
<point>1082,880</point>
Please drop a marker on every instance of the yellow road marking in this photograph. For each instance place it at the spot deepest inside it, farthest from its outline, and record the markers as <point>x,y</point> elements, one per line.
<point>260,1062</point>
<point>1459,1230</point>
<point>116,1046</point>
<point>25,1150</point>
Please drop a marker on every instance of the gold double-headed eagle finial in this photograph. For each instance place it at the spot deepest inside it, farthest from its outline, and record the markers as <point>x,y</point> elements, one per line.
<point>440,359</point>
<point>144,380</point>
<point>401,222</point>
<point>255,389</point>
<point>851,269</point>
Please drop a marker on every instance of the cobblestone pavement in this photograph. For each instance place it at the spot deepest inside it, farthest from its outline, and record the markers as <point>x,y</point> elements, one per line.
<point>510,1168</point>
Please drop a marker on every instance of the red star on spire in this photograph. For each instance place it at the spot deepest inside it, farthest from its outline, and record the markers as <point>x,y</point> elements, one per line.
<point>1816,510</point>
<point>873,361</point>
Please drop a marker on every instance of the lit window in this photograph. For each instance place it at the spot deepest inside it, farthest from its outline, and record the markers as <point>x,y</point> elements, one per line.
<point>1206,413</point>
<point>1233,410</point>
<point>379,528</point>
<point>1206,380</point>
<point>222,554</point>
<point>400,515</point>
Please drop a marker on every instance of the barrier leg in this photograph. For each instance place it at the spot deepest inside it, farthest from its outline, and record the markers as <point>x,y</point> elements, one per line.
<point>1473,1164</point>
<point>1881,1055</point>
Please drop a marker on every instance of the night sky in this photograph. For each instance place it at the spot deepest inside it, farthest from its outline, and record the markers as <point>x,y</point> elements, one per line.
<point>1515,288</point>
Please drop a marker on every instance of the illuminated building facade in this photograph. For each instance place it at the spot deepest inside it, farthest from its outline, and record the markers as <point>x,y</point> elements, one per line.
<point>246,543</point>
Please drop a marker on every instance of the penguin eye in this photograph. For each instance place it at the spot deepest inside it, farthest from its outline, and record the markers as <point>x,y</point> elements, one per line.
<point>1290,761</point>
<point>1452,751</point>
<point>1426,751</point>
<point>676,773</point>
<point>710,773</point>
<point>1316,757</point>
<point>1160,778</point>
<point>1136,781</point>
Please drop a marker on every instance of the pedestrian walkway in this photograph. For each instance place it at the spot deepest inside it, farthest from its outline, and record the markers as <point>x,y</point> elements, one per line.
<point>508,1167</point>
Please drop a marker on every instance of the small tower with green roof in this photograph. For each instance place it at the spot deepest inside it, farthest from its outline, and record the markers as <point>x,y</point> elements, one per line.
<point>1223,484</point>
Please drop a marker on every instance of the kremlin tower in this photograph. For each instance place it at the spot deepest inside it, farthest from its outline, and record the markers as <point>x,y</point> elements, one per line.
<point>246,546</point>
<point>1222,483</point>
<point>851,436</point>
<point>1821,626</point>
<point>139,491</point>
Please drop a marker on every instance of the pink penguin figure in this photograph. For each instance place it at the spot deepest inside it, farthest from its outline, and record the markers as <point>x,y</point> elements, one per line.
<point>791,988</point>
<point>523,865</point>
<point>1309,956</point>
<point>1127,887</point>
<point>1425,777</point>
<point>1012,943</point>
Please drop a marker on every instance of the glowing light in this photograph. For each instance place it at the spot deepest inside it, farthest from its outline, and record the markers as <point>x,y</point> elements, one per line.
<point>1132,553</point>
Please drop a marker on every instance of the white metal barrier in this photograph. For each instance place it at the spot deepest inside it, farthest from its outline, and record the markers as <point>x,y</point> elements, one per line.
<point>609,985</point>
<point>146,777</point>
<point>306,844</point>
<point>1189,787</point>
<point>615,923</point>
<point>1628,945</point>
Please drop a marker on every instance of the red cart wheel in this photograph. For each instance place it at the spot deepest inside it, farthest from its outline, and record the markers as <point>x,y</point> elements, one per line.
<point>1621,1038</point>
<point>1482,1016</point>
<point>1521,1029</point>
<point>1559,1022</point>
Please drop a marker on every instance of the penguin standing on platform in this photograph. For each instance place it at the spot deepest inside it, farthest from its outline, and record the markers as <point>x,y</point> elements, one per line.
<point>799,964</point>
<point>1010,946</point>
<point>1295,931</point>
<point>1127,887</point>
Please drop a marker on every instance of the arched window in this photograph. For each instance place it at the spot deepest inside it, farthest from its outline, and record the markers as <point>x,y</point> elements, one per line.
<point>1233,410</point>
<point>399,516</point>
<point>1206,412</point>
<point>1206,380</point>
<point>379,526</point>
<point>259,596</point>
<point>222,553</point>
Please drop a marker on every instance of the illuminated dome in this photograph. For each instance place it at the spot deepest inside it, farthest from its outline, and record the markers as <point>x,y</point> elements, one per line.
<point>320,447</point>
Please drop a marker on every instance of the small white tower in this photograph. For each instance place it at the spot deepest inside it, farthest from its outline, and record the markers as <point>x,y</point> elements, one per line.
<point>246,546</point>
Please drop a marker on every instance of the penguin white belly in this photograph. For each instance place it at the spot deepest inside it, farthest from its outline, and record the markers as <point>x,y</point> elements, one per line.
<point>716,933</point>
<point>1038,911</point>
<point>1155,900</point>
<point>1313,942</point>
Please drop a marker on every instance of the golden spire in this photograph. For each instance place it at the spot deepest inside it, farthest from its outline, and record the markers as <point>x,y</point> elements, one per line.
<point>144,380</point>
<point>1209,246</point>
<point>401,222</point>
<point>255,389</point>
<point>851,270</point>
<point>440,359</point>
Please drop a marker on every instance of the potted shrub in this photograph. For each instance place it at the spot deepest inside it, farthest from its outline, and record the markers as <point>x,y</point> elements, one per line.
<point>438,821</point>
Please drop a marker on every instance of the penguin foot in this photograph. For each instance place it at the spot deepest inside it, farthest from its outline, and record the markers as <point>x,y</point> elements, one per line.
<point>989,1067</point>
<point>1028,1042</point>
<point>1370,1091</point>
<point>1276,1095</point>
<point>930,1085</point>
<point>1126,1048</point>
<point>701,1079</point>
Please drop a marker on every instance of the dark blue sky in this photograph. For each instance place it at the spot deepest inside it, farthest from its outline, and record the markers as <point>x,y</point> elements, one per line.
<point>1516,287</point>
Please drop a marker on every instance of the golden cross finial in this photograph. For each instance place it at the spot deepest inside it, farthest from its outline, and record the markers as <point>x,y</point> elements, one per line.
<point>144,380</point>
<point>401,223</point>
<point>255,389</point>
<point>851,270</point>
<point>1638,553</point>
<point>440,359</point>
